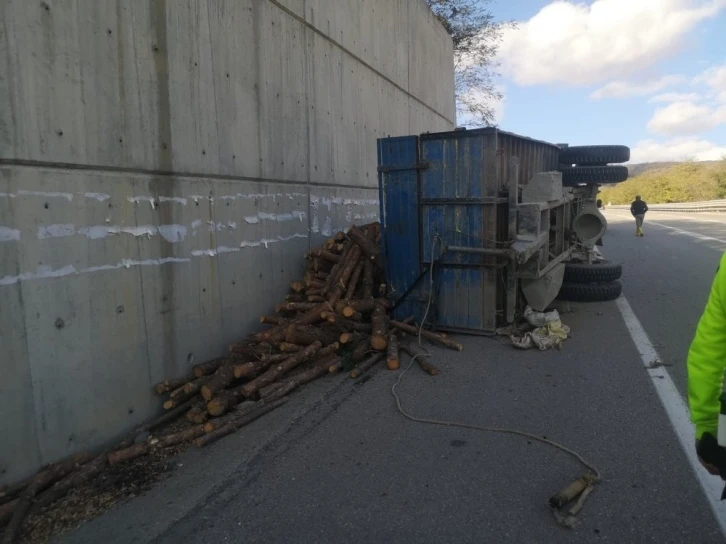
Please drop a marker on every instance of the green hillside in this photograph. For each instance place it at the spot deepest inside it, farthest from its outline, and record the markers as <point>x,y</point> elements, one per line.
<point>681,182</point>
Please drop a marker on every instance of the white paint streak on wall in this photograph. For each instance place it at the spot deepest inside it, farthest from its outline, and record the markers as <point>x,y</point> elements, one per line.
<point>174,199</point>
<point>96,232</point>
<point>252,219</point>
<point>42,272</point>
<point>214,252</point>
<point>195,225</point>
<point>327,227</point>
<point>137,199</point>
<point>173,233</point>
<point>97,196</point>
<point>55,231</point>
<point>7,195</point>
<point>277,217</point>
<point>7,234</point>
<point>51,194</point>
<point>267,241</point>
<point>218,227</point>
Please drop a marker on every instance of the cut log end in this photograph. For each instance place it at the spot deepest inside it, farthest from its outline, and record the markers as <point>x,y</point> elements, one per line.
<point>379,342</point>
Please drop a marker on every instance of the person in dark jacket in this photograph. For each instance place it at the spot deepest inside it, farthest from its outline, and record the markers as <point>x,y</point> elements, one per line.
<point>639,208</point>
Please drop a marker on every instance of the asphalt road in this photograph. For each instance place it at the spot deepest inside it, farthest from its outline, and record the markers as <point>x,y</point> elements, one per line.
<point>341,465</point>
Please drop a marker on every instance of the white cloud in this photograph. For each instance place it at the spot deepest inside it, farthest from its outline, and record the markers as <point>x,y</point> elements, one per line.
<point>676,97</point>
<point>581,44</point>
<point>686,118</point>
<point>676,150</point>
<point>624,89</point>
<point>714,77</point>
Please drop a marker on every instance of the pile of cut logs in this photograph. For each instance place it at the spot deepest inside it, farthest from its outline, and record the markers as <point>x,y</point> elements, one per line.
<point>338,309</point>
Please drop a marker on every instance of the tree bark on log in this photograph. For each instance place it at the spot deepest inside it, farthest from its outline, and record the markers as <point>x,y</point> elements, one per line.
<point>220,380</point>
<point>425,365</point>
<point>198,412</point>
<point>310,317</point>
<point>238,423</point>
<point>83,474</point>
<point>349,264</point>
<point>224,401</point>
<point>393,361</point>
<point>349,324</point>
<point>245,370</point>
<point>316,298</point>
<point>207,368</point>
<point>353,338</point>
<point>6,511</point>
<point>127,454</point>
<point>326,352</point>
<point>294,298</point>
<point>297,286</point>
<point>363,306</point>
<point>441,339</point>
<point>196,385</point>
<point>379,335</point>
<point>304,336</point>
<point>241,409</point>
<point>353,282</point>
<point>169,385</point>
<point>367,284</point>
<point>334,276</point>
<point>272,320</point>
<point>252,350</point>
<point>367,246</point>
<point>366,365</point>
<point>295,307</point>
<point>286,347</point>
<point>325,255</point>
<point>180,400</point>
<point>278,370</point>
<point>322,276</point>
<point>361,350</point>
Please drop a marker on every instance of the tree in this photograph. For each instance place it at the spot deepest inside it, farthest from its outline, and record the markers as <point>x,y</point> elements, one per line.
<point>476,37</point>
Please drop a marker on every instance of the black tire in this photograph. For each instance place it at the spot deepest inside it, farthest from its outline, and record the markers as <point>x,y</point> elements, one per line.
<point>572,177</point>
<point>594,292</point>
<point>590,155</point>
<point>602,272</point>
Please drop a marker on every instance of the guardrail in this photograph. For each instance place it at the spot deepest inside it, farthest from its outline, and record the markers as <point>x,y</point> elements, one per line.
<point>685,207</point>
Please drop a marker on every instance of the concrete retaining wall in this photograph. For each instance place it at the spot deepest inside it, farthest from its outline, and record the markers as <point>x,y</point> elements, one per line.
<point>164,166</point>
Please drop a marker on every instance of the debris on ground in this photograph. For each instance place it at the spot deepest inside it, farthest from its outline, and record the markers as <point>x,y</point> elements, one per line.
<point>549,331</point>
<point>336,317</point>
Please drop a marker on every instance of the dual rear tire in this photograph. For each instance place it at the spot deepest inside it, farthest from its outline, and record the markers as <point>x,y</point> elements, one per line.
<point>591,282</point>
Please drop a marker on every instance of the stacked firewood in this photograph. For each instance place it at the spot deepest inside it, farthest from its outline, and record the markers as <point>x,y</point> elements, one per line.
<point>338,309</point>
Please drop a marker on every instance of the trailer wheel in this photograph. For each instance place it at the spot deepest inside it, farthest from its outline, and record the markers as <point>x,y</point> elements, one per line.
<point>591,155</point>
<point>593,292</point>
<point>592,273</point>
<point>577,175</point>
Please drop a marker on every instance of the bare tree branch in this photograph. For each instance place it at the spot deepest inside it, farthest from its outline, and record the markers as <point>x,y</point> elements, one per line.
<point>476,37</point>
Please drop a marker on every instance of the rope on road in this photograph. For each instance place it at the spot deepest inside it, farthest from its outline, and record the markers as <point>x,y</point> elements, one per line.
<point>596,476</point>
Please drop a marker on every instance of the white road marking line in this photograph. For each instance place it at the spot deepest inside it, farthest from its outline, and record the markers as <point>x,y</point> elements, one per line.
<point>676,410</point>
<point>689,233</point>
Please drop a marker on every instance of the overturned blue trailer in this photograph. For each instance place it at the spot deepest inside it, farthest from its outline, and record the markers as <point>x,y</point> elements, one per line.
<point>478,223</point>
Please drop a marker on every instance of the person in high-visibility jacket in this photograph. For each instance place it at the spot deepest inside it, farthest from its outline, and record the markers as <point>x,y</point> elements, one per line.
<point>707,362</point>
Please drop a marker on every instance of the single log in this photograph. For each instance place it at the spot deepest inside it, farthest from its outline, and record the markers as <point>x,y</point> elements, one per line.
<point>196,385</point>
<point>224,401</point>
<point>348,265</point>
<point>295,306</point>
<point>366,365</point>
<point>272,359</point>
<point>327,351</point>
<point>325,254</point>
<point>335,366</point>
<point>251,368</point>
<point>349,324</point>
<point>353,338</point>
<point>169,385</point>
<point>252,350</point>
<point>238,423</point>
<point>197,412</point>
<point>304,336</point>
<point>269,389</point>
<point>393,361</point>
<point>354,278</point>
<point>367,246</point>
<point>294,298</point>
<point>83,474</point>
<point>208,368</point>
<point>127,454</point>
<point>321,265</point>
<point>361,350</point>
<point>273,373</point>
<point>424,363</point>
<point>443,340</point>
<point>297,286</point>
<point>367,283</point>
<point>313,292</point>
<point>221,379</point>
<point>338,268</point>
<point>313,283</point>
<point>322,276</point>
<point>178,438</point>
<point>179,392</point>
<point>339,236</point>
<point>363,306</point>
<point>240,409</point>
<point>180,400</point>
<point>379,322</point>
<point>316,298</point>
<point>329,243</point>
<point>286,347</point>
<point>272,320</point>
<point>6,511</point>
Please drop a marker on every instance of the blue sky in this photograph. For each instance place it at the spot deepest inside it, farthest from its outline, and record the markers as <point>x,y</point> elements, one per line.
<point>650,74</point>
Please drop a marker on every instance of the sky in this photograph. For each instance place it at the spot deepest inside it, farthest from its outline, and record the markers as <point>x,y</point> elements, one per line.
<point>650,74</point>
